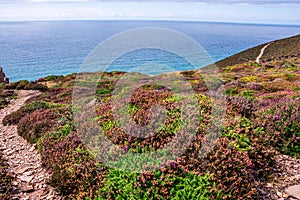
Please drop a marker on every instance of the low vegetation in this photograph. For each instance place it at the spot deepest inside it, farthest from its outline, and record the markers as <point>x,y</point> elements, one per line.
<point>5,179</point>
<point>262,120</point>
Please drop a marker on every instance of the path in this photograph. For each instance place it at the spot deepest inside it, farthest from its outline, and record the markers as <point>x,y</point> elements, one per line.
<point>261,53</point>
<point>23,159</point>
<point>286,180</point>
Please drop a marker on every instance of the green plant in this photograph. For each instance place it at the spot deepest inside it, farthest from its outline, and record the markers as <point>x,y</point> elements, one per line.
<point>6,179</point>
<point>125,185</point>
<point>193,186</point>
<point>64,131</point>
<point>104,91</point>
<point>237,134</point>
<point>249,94</point>
<point>231,91</point>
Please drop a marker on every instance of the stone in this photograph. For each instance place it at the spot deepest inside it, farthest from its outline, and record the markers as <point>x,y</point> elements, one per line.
<point>279,193</point>
<point>32,149</point>
<point>15,183</point>
<point>25,178</point>
<point>293,191</point>
<point>269,185</point>
<point>28,173</point>
<point>28,188</point>
<point>3,78</point>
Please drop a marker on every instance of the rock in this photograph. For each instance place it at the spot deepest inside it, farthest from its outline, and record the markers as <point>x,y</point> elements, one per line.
<point>269,185</point>
<point>3,78</point>
<point>24,169</point>
<point>28,173</point>
<point>32,149</point>
<point>279,193</point>
<point>293,191</point>
<point>15,183</point>
<point>27,188</point>
<point>25,178</point>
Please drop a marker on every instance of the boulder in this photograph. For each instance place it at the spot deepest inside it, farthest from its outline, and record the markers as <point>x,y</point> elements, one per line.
<point>3,78</point>
<point>293,191</point>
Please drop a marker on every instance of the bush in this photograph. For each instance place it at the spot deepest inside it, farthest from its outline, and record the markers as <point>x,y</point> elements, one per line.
<point>241,105</point>
<point>6,96</point>
<point>15,117</point>
<point>5,179</point>
<point>193,186</point>
<point>74,173</point>
<point>34,125</point>
<point>26,85</point>
<point>156,185</point>
<point>53,78</point>
<point>234,171</point>
<point>55,95</point>
<point>35,86</point>
<point>280,123</point>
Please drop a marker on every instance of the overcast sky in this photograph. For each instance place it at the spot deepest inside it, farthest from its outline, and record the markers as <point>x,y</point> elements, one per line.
<point>255,11</point>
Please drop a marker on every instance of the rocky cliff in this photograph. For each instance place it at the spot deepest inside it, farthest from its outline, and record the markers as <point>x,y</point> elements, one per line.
<point>3,78</point>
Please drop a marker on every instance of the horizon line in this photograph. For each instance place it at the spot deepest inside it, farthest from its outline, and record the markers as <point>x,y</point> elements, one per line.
<point>156,20</point>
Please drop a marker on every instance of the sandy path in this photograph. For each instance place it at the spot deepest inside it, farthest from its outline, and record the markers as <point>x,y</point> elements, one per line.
<point>23,159</point>
<point>261,53</point>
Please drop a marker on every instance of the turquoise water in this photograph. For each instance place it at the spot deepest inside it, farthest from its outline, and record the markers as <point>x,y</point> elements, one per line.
<point>31,50</point>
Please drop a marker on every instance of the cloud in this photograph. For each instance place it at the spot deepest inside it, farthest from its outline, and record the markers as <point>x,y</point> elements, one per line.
<point>250,2</point>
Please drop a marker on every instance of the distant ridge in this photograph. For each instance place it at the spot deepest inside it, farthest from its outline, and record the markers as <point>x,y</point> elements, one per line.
<point>276,49</point>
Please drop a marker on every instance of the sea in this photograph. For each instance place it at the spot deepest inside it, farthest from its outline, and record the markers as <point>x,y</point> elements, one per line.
<point>35,49</point>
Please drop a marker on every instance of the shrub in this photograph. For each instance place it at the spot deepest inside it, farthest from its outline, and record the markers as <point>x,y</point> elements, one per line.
<point>21,84</point>
<point>34,125</point>
<point>26,85</point>
<point>63,131</point>
<point>280,122</point>
<point>193,186</point>
<point>35,86</point>
<point>234,171</point>
<point>53,78</point>
<point>5,179</point>
<point>238,161</point>
<point>238,133</point>
<point>55,95</point>
<point>74,173</point>
<point>14,118</point>
<point>6,96</point>
<point>241,105</point>
<point>156,185</point>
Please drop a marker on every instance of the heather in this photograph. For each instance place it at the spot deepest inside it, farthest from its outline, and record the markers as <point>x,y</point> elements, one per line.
<point>5,179</point>
<point>6,96</point>
<point>261,120</point>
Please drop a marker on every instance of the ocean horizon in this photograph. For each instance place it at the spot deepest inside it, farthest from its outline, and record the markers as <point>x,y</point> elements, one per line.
<point>35,49</point>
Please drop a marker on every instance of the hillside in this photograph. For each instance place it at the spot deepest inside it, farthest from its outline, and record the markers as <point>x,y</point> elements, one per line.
<point>278,48</point>
<point>257,155</point>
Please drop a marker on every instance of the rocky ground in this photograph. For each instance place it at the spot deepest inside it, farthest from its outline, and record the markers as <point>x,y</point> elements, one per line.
<point>286,183</point>
<point>23,159</point>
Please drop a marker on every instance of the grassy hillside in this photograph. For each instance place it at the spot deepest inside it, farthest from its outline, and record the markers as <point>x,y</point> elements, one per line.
<point>278,48</point>
<point>262,120</point>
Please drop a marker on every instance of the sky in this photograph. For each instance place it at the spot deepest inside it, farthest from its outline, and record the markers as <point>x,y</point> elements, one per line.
<point>251,11</point>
